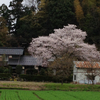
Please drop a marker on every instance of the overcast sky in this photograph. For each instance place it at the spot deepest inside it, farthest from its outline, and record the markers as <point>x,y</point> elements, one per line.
<point>5,2</point>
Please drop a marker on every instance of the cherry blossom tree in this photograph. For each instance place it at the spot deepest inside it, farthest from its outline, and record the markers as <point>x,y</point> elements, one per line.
<point>69,40</point>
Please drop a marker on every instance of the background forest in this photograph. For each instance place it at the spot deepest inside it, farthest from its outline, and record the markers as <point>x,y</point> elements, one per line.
<point>19,23</point>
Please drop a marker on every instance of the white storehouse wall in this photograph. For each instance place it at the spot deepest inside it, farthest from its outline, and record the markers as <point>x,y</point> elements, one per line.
<point>79,76</point>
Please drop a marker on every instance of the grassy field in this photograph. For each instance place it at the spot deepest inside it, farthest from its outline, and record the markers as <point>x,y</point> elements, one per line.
<point>71,87</point>
<point>14,90</point>
<point>47,86</point>
<point>48,95</point>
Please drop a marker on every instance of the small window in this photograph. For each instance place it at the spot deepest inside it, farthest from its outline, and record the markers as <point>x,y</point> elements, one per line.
<point>74,77</point>
<point>10,56</point>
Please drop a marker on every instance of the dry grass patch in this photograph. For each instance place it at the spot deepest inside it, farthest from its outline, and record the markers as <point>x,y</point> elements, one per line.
<point>23,85</point>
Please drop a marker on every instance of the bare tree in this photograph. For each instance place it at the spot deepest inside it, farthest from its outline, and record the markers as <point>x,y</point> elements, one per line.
<point>62,67</point>
<point>92,71</point>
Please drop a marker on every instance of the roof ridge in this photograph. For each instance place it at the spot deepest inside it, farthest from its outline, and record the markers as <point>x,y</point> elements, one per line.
<point>11,47</point>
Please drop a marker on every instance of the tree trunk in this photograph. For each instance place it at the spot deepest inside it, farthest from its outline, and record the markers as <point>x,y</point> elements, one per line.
<point>92,82</point>
<point>62,82</point>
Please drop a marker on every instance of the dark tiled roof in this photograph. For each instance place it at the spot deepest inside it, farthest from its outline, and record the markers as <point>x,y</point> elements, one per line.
<point>12,50</point>
<point>25,61</point>
<point>13,62</point>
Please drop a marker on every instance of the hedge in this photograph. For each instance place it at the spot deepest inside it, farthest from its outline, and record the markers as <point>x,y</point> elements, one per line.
<point>35,78</point>
<point>40,78</point>
<point>4,76</point>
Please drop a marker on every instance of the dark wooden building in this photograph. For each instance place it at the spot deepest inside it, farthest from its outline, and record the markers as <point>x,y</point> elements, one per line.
<point>13,56</point>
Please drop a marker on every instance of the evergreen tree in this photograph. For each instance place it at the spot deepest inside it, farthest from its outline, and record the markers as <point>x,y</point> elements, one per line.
<point>78,10</point>
<point>3,32</point>
<point>60,13</point>
<point>91,21</point>
<point>12,16</point>
<point>52,14</point>
<point>17,10</point>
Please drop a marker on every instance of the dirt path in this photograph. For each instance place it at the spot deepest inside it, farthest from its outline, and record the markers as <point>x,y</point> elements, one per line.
<point>23,85</point>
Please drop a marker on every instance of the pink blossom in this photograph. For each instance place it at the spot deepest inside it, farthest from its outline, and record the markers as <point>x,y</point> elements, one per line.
<point>66,40</point>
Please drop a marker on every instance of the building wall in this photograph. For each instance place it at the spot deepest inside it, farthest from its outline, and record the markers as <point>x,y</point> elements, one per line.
<point>79,76</point>
<point>3,60</point>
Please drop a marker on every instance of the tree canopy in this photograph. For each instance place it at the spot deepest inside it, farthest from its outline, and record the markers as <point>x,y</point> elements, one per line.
<point>67,40</point>
<point>41,17</point>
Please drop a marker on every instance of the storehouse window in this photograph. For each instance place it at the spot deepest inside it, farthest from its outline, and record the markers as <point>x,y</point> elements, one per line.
<point>74,77</point>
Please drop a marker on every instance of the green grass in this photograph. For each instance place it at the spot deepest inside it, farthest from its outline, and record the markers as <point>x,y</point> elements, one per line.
<point>72,87</point>
<point>48,95</point>
<point>17,95</point>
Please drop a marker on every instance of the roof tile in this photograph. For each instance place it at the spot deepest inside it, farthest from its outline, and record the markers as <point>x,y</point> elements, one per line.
<point>85,64</point>
<point>11,51</point>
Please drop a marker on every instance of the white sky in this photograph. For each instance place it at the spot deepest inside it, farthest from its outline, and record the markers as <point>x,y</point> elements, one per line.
<point>5,2</point>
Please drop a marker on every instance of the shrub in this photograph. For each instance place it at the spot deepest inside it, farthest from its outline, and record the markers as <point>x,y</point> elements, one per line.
<point>4,76</point>
<point>35,78</point>
<point>40,78</point>
<point>18,69</point>
<point>32,72</point>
